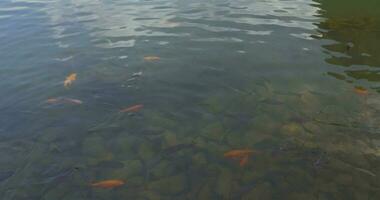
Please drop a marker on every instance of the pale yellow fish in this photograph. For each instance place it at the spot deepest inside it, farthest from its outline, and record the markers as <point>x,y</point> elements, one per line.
<point>151,58</point>
<point>52,100</point>
<point>70,79</point>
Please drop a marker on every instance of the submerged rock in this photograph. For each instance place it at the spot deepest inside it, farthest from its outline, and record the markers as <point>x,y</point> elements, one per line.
<point>5,175</point>
<point>93,147</point>
<point>214,131</point>
<point>205,193</point>
<point>261,191</point>
<point>161,170</point>
<point>110,164</point>
<point>170,138</point>
<point>146,151</point>
<point>172,185</point>
<point>292,129</point>
<point>224,184</point>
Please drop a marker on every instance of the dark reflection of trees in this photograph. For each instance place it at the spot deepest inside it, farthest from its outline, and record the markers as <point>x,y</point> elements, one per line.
<point>353,31</point>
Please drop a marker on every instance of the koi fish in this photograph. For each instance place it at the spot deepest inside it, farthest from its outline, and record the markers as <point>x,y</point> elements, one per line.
<point>239,153</point>
<point>63,100</point>
<point>70,79</point>
<point>134,108</point>
<point>137,74</point>
<point>108,184</point>
<point>151,58</point>
<point>361,91</point>
<point>73,101</point>
<point>52,100</point>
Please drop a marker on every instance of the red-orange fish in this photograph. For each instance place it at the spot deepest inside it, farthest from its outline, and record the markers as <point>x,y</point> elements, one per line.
<point>107,184</point>
<point>134,108</point>
<point>241,154</point>
<point>361,91</point>
<point>238,153</point>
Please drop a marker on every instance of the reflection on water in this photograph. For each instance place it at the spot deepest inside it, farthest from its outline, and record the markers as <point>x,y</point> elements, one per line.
<point>354,36</point>
<point>176,99</point>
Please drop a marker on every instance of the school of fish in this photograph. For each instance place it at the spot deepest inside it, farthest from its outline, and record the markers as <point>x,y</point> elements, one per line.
<point>242,155</point>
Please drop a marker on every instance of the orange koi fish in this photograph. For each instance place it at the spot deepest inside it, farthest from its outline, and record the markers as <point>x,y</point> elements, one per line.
<point>70,79</point>
<point>134,108</point>
<point>108,184</point>
<point>239,153</point>
<point>361,91</point>
<point>151,58</point>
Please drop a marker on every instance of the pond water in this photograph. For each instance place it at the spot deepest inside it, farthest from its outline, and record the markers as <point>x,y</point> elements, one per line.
<point>157,96</point>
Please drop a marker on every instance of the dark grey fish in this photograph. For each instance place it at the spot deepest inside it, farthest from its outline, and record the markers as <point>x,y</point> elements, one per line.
<point>4,175</point>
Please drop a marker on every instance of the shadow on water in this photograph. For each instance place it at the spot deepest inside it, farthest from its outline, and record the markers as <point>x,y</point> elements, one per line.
<point>351,29</point>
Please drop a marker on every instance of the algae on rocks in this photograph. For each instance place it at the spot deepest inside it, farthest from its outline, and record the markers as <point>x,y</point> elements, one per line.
<point>172,185</point>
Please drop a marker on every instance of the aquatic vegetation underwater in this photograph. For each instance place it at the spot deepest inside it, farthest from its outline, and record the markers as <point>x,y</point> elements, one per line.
<point>189,100</point>
<point>297,149</point>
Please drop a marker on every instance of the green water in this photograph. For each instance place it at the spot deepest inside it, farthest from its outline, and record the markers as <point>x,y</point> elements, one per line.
<point>275,77</point>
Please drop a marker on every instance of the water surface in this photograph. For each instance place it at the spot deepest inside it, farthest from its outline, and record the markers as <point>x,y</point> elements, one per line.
<point>277,77</point>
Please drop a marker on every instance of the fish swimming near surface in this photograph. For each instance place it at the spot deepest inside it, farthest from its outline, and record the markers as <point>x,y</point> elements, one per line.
<point>151,58</point>
<point>108,184</point>
<point>73,101</point>
<point>137,74</point>
<point>70,79</point>
<point>134,108</point>
<point>361,91</point>
<point>241,154</point>
<point>52,100</point>
<point>59,100</point>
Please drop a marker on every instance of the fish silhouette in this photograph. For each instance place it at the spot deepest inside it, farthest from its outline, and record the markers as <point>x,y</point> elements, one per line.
<point>59,100</point>
<point>108,184</point>
<point>241,154</point>
<point>134,108</point>
<point>151,58</point>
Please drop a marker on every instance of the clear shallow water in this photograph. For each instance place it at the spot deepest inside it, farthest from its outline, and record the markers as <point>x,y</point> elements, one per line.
<point>277,77</point>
